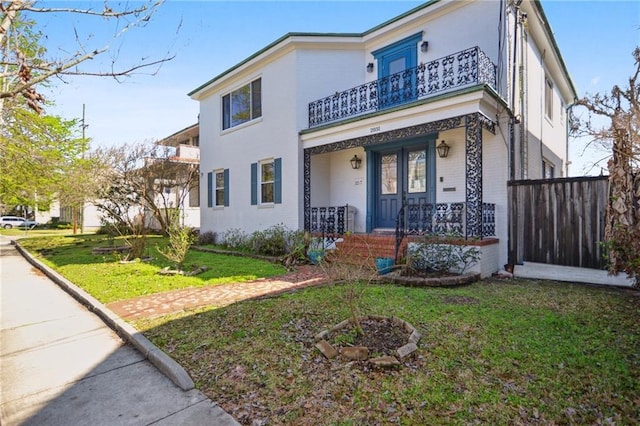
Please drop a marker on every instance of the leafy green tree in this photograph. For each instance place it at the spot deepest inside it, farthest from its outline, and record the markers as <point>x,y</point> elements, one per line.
<point>36,151</point>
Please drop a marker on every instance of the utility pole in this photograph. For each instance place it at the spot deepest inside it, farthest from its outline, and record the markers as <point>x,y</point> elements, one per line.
<point>75,207</point>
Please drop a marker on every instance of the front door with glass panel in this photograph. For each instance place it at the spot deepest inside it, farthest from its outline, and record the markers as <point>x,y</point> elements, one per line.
<point>408,171</point>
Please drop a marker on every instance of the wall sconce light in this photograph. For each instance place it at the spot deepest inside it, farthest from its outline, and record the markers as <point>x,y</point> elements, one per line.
<point>424,46</point>
<point>355,162</point>
<point>370,67</point>
<point>443,150</point>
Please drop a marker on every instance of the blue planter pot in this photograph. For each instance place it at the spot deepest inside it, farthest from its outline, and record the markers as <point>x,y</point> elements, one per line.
<point>384,265</point>
<point>316,256</point>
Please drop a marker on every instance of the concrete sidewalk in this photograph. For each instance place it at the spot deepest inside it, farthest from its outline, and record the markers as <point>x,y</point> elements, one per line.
<point>61,365</point>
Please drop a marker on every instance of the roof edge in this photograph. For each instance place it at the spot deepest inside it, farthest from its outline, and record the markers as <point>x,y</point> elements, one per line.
<point>538,5</point>
<point>310,34</point>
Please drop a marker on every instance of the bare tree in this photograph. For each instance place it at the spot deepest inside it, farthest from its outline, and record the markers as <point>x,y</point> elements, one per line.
<point>613,120</point>
<point>148,177</point>
<point>25,63</point>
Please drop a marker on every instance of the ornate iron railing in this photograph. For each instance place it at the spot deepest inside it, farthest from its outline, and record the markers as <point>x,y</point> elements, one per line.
<point>329,220</point>
<point>464,68</point>
<point>440,219</point>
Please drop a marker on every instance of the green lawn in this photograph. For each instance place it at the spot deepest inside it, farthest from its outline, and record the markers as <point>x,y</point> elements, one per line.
<point>108,280</point>
<point>496,352</point>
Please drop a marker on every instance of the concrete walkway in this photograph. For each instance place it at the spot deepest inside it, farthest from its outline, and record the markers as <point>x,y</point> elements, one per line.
<point>61,365</point>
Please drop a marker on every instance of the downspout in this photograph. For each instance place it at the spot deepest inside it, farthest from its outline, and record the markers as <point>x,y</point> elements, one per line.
<point>524,146</point>
<point>567,162</point>
<point>513,121</point>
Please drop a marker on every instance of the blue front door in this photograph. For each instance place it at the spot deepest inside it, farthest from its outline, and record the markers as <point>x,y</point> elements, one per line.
<point>396,76</point>
<point>408,171</point>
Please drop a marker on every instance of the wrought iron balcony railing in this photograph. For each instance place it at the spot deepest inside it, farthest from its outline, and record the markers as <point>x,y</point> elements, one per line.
<point>468,67</point>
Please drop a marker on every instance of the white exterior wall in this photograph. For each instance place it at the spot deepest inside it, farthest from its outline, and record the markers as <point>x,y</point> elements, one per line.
<point>335,183</point>
<point>322,72</point>
<point>450,171</point>
<point>274,135</point>
<point>552,132</point>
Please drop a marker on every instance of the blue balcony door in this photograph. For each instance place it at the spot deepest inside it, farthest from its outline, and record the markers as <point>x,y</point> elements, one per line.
<point>396,76</point>
<point>408,170</point>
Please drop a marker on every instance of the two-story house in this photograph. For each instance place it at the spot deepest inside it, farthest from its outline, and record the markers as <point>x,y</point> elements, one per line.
<point>417,123</point>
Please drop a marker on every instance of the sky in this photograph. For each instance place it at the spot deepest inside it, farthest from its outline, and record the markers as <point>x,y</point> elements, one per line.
<point>205,38</point>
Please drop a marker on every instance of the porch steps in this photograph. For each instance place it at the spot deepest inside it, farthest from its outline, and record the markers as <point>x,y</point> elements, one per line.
<point>364,248</point>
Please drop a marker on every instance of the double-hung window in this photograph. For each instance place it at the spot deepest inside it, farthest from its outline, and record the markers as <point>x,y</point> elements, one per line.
<point>266,182</point>
<point>218,188</point>
<point>242,105</point>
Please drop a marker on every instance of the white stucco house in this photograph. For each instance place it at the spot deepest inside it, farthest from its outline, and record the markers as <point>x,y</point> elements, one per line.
<point>417,124</point>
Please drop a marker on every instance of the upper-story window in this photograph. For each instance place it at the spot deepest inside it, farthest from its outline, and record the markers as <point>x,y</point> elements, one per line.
<point>548,169</point>
<point>548,98</point>
<point>242,105</point>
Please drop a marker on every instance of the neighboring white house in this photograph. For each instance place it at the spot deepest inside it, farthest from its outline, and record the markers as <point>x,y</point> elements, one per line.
<point>312,123</point>
<point>187,151</point>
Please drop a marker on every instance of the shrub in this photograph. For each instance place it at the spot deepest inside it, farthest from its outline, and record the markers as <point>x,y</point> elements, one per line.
<point>180,239</point>
<point>438,255</point>
<point>236,239</point>
<point>272,241</point>
<point>207,238</point>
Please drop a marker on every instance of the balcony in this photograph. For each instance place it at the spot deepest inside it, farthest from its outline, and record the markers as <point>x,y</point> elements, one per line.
<point>453,72</point>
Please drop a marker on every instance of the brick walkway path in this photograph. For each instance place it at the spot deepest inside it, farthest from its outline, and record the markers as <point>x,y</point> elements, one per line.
<point>219,295</point>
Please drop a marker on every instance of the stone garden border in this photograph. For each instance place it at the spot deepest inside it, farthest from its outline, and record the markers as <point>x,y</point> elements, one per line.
<point>362,353</point>
<point>396,277</point>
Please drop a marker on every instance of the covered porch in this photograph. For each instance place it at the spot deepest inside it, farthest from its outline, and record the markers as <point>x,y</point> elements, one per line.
<point>341,196</point>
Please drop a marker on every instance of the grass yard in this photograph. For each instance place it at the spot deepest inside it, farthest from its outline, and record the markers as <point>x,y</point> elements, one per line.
<point>107,280</point>
<point>495,352</point>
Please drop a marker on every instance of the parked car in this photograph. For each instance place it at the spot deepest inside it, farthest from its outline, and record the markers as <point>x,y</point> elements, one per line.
<point>29,224</point>
<point>17,222</point>
<point>11,221</point>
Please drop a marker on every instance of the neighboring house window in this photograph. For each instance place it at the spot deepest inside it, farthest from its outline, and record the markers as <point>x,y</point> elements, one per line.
<point>194,193</point>
<point>242,105</point>
<point>548,170</point>
<point>266,182</point>
<point>548,98</point>
<point>218,188</point>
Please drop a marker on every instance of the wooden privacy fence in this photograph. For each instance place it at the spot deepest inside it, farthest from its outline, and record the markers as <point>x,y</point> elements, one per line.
<point>558,221</point>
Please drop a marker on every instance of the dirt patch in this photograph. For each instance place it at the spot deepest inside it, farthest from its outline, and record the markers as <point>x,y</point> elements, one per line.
<point>382,336</point>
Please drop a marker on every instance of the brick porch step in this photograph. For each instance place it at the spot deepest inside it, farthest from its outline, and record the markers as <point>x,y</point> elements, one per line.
<point>359,248</point>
